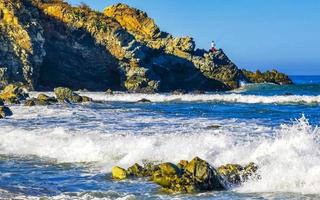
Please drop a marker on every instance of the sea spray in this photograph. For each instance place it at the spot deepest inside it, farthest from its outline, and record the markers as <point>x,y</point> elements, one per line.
<point>290,162</point>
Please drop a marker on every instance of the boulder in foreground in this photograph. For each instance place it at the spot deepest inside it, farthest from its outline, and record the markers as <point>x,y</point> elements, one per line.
<point>189,177</point>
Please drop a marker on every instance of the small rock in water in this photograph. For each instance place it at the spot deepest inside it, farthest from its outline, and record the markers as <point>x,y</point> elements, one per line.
<point>179,92</point>
<point>213,126</point>
<point>67,95</point>
<point>86,99</point>
<point>30,102</point>
<point>109,91</point>
<point>144,101</point>
<point>4,112</point>
<point>119,173</point>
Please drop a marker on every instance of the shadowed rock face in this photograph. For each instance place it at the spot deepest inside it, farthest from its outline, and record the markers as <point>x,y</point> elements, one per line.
<point>48,43</point>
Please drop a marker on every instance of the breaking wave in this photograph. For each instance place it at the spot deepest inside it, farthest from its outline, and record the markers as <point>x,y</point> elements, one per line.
<point>226,97</point>
<point>288,156</point>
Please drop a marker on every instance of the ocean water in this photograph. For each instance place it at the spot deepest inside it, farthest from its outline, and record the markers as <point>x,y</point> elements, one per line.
<point>67,151</point>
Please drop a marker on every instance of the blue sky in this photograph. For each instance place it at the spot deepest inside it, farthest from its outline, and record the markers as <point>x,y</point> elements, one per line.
<point>264,34</point>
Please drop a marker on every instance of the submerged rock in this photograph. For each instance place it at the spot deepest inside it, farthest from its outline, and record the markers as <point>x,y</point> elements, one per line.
<point>5,112</point>
<point>144,101</point>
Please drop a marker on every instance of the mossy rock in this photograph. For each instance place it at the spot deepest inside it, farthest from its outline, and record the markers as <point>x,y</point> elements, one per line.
<point>119,173</point>
<point>63,94</point>
<point>86,99</point>
<point>136,170</point>
<point>205,177</point>
<point>43,97</point>
<point>13,94</point>
<point>182,164</point>
<point>232,172</point>
<point>169,169</point>
<point>30,102</point>
<point>237,174</point>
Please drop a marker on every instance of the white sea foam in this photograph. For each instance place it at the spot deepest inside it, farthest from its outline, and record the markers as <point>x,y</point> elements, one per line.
<point>109,195</point>
<point>227,97</point>
<point>289,157</point>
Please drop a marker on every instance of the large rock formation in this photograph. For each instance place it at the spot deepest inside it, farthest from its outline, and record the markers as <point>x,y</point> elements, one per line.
<point>48,43</point>
<point>21,43</point>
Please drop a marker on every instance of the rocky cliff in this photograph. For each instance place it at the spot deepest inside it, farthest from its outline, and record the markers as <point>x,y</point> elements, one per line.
<point>49,43</point>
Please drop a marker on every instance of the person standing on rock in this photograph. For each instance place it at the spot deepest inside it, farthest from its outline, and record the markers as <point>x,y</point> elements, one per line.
<point>213,47</point>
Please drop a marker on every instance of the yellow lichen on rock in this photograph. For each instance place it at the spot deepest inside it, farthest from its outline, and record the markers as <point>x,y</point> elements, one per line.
<point>119,173</point>
<point>135,21</point>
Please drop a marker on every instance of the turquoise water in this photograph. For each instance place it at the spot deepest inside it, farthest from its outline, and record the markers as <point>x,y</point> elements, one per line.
<point>67,151</point>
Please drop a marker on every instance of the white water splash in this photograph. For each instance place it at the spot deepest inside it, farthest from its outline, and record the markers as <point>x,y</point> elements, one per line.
<point>231,98</point>
<point>289,157</point>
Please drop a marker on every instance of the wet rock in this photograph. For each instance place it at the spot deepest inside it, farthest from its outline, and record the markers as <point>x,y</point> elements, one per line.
<point>169,169</point>
<point>205,177</point>
<point>30,102</point>
<point>86,99</point>
<point>119,173</point>
<point>236,174</point>
<point>136,170</point>
<point>179,92</point>
<point>192,176</point>
<point>5,112</point>
<point>109,91</point>
<point>66,94</point>
<point>144,101</point>
<point>182,164</point>
<point>13,94</point>
<point>43,99</point>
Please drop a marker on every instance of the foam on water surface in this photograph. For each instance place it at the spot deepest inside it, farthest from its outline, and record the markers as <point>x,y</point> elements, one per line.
<point>229,98</point>
<point>288,156</point>
<point>115,132</point>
